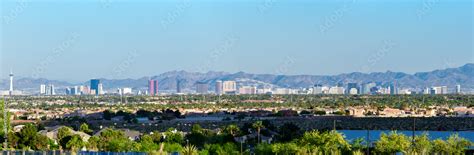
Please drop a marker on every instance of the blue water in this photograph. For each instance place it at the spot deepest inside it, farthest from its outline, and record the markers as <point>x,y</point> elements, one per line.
<point>375,134</point>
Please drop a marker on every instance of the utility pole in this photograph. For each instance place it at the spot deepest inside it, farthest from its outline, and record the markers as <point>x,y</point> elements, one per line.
<point>368,141</point>
<point>241,146</point>
<point>5,127</point>
<point>413,132</point>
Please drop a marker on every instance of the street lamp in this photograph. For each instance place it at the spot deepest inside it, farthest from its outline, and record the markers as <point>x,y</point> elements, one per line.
<point>334,124</point>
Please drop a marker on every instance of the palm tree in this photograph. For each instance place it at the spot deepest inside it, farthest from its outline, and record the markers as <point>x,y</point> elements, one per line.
<point>258,125</point>
<point>233,129</point>
<point>190,150</point>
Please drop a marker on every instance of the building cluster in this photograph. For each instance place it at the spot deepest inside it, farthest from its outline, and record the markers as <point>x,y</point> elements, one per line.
<point>377,89</point>
<point>95,88</point>
<point>233,87</point>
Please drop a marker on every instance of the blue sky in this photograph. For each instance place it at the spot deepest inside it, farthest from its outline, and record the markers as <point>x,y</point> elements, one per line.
<point>79,40</point>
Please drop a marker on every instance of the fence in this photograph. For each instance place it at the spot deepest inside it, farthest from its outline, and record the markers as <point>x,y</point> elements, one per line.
<point>21,152</point>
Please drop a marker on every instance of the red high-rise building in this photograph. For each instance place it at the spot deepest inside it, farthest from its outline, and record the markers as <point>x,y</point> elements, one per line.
<point>153,87</point>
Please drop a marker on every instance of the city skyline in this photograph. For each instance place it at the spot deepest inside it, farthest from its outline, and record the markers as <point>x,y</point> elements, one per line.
<point>293,38</point>
<point>244,83</point>
<point>87,80</point>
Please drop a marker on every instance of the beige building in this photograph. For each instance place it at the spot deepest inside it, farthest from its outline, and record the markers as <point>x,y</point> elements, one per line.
<point>229,86</point>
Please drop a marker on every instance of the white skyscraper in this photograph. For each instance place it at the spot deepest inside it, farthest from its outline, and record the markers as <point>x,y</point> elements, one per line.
<point>444,89</point>
<point>458,89</point>
<point>101,89</point>
<point>50,90</point>
<point>42,89</point>
<point>11,83</point>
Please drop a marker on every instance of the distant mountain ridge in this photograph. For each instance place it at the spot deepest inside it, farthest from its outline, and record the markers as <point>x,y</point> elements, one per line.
<point>167,81</point>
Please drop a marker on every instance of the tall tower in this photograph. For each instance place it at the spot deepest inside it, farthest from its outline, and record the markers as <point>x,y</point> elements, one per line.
<point>11,82</point>
<point>178,85</point>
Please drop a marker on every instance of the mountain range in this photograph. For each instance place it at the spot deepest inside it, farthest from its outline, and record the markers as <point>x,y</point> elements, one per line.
<point>450,77</point>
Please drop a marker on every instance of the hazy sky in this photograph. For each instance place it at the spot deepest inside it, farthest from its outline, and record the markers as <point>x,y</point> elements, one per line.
<point>79,40</point>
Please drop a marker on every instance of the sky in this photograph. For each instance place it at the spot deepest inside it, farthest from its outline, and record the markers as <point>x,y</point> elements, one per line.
<point>81,39</point>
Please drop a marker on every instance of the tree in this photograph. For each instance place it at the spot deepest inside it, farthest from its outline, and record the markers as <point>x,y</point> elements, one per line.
<point>73,143</point>
<point>328,142</point>
<point>357,145</point>
<point>107,114</point>
<point>440,146</point>
<point>63,132</point>
<point>288,132</point>
<point>27,136</point>
<point>227,148</point>
<point>196,137</point>
<point>232,130</point>
<point>85,128</point>
<point>93,143</point>
<point>40,142</point>
<point>2,120</point>
<point>13,140</point>
<point>189,150</point>
<point>263,148</point>
<point>172,147</point>
<point>173,136</point>
<point>457,145</point>
<point>147,144</point>
<point>422,144</point>
<point>285,148</point>
<point>115,141</point>
<point>258,126</point>
<point>392,143</point>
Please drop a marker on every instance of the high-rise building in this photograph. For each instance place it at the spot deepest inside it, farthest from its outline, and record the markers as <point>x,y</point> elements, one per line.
<point>85,90</point>
<point>42,89</point>
<point>202,87</point>
<point>127,90</point>
<point>229,87</point>
<point>100,90</point>
<point>336,90</point>
<point>353,91</point>
<point>444,89</point>
<point>219,87</point>
<point>352,85</point>
<point>318,89</point>
<point>68,91</point>
<point>153,87</point>
<point>439,90</point>
<point>248,90</point>
<point>179,83</point>
<point>366,88</point>
<point>393,89</point>
<point>95,86</point>
<point>119,91</point>
<point>10,92</point>
<point>458,89</point>
<point>50,90</point>
<point>75,90</point>
<point>427,91</point>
